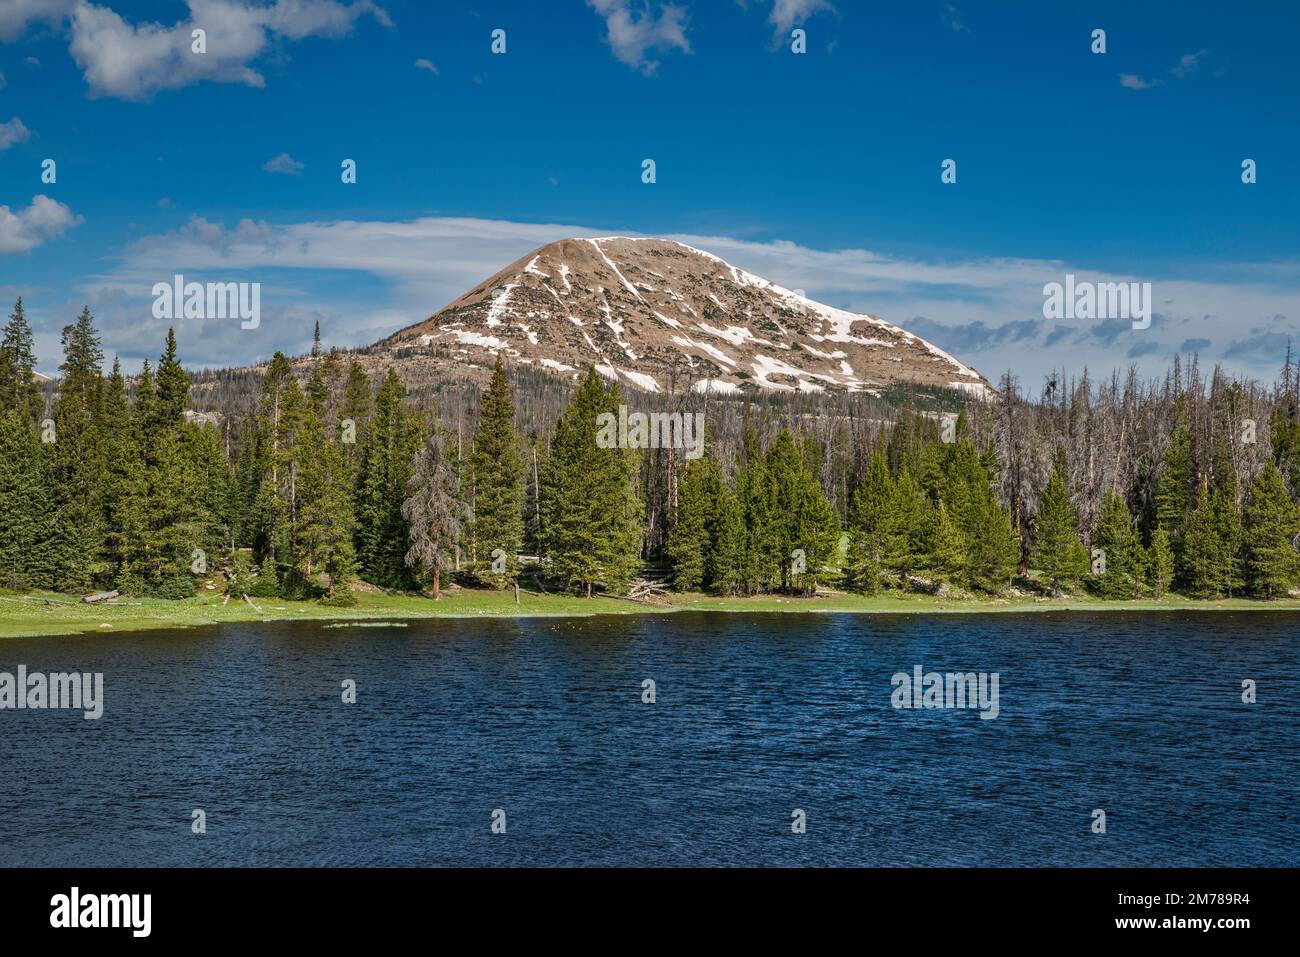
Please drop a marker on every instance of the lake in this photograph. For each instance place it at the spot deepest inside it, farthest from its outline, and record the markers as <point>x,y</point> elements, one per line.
<point>755,716</point>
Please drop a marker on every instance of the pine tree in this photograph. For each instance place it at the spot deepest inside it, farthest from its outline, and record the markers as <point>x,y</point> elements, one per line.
<point>804,531</point>
<point>496,470</point>
<point>725,564</point>
<point>76,460</point>
<point>1059,554</point>
<point>689,547</point>
<point>394,438</point>
<point>142,412</point>
<point>1228,525</point>
<point>1204,551</point>
<point>123,492</point>
<point>355,411</point>
<point>327,524</point>
<point>1272,526</point>
<point>760,566</point>
<point>904,538</point>
<point>173,384</point>
<point>1118,541</point>
<point>1173,497</point>
<point>18,387</point>
<point>434,512</point>
<point>945,557</point>
<point>1160,562</point>
<point>592,516</point>
<point>868,516</point>
<point>816,525</point>
<point>992,547</point>
<point>25,506</point>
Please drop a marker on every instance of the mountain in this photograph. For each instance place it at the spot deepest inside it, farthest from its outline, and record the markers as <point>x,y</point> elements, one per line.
<point>663,316</point>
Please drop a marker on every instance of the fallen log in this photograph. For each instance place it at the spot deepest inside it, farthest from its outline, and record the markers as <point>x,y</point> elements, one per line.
<point>100,596</point>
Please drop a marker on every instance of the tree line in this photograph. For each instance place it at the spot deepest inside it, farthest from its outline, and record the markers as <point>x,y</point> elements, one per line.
<point>325,476</point>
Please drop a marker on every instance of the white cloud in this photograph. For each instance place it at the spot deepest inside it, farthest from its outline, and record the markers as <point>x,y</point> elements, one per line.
<point>423,64</point>
<point>632,37</point>
<point>787,14</point>
<point>13,132</point>
<point>24,230</point>
<point>135,61</point>
<point>17,15</point>
<point>284,163</point>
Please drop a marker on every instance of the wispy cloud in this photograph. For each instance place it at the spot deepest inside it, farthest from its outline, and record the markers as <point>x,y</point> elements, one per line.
<point>1187,64</point>
<point>952,20</point>
<point>284,163</point>
<point>423,64</point>
<point>366,279</point>
<point>1134,82</point>
<point>632,36</point>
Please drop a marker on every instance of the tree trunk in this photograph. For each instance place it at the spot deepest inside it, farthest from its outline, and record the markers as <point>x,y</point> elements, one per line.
<point>588,590</point>
<point>437,584</point>
<point>516,593</point>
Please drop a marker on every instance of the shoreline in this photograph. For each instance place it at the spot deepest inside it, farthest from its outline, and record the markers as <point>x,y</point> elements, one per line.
<point>50,615</point>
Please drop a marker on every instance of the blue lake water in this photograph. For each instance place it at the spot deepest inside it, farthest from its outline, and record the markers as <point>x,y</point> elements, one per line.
<point>755,715</point>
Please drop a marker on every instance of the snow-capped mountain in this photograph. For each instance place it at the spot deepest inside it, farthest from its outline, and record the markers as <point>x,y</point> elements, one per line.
<point>662,316</point>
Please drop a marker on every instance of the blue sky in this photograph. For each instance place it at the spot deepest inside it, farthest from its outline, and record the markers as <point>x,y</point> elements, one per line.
<point>819,171</point>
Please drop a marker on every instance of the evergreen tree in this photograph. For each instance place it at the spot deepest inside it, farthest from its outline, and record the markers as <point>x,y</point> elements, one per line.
<point>326,520</point>
<point>759,557</point>
<point>76,460</point>
<point>1119,543</point>
<point>1160,562</point>
<point>725,564</point>
<point>394,438</point>
<point>904,538</point>
<point>1227,521</point>
<point>945,556</point>
<point>496,471</point>
<point>1272,526</point>
<point>591,512</point>
<point>25,506</point>
<point>992,547</point>
<point>356,410</point>
<point>123,492</point>
<point>868,517</point>
<point>434,512</point>
<point>1204,551</point>
<point>1173,497</point>
<point>173,384</point>
<point>690,548</point>
<point>1059,554</point>
<point>18,388</point>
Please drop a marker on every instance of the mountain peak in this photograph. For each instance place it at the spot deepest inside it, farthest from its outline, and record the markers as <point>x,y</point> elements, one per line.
<point>661,316</point>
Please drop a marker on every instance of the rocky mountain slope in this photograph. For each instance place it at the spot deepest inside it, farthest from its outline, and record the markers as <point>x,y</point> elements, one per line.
<point>664,317</point>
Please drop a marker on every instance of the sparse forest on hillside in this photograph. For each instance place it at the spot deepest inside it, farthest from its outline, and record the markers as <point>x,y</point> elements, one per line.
<point>313,477</point>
